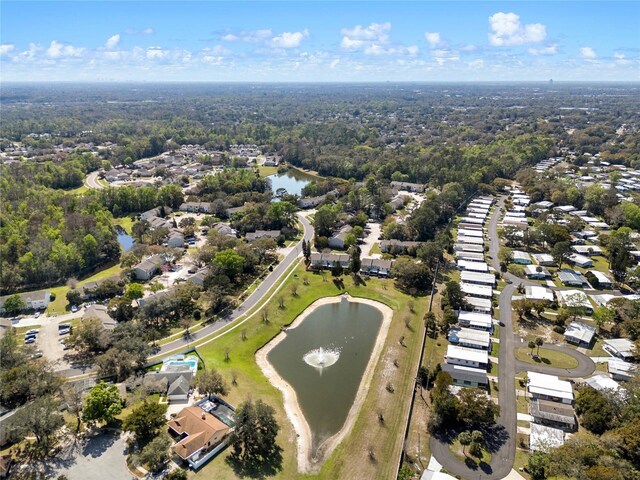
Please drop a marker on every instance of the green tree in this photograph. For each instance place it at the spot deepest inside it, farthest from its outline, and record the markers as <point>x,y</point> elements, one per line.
<point>619,252</point>
<point>453,296</point>
<point>475,408</point>
<point>560,252</point>
<point>156,454</point>
<point>102,404</point>
<point>531,345</point>
<point>465,440</point>
<point>354,259</point>
<point>134,291</point>
<point>14,304</point>
<point>411,275</point>
<point>324,220</point>
<point>74,297</point>
<point>230,262</point>
<point>210,382</point>
<point>539,343</point>
<point>146,420</point>
<point>41,418</point>
<point>595,412</point>
<point>254,436</point>
<point>336,269</point>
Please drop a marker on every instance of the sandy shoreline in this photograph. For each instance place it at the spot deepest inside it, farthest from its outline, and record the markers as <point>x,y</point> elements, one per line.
<point>294,413</point>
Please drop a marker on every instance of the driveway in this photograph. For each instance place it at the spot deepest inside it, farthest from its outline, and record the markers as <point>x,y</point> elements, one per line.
<point>369,241</point>
<point>102,457</point>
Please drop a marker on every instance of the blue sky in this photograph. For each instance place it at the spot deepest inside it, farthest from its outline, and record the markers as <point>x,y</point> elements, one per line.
<point>319,41</point>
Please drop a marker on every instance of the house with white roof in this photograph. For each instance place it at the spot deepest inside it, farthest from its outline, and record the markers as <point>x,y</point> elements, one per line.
<point>478,278</point>
<point>464,232</point>
<point>549,387</point>
<point>622,348</point>
<point>480,291</point>
<point>602,382</point>
<point>521,258</point>
<point>471,266</point>
<point>479,305</point>
<point>580,260</point>
<point>602,280</point>
<point>574,298</point>
<point>470,338</point>
<point>621,370</point>
<point>536,272</point>
<point>467,357</point>
<point>580,334</point>
<point>466,376</point>
<point>466,247</point>
<point>476,320</point>
<point>544,259</point>
<point>536,293</point>
<point>587,250</point>
<point>470,240</point>
<point>543,438</point>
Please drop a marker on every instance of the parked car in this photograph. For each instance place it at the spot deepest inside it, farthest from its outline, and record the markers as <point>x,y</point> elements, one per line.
<point>74,309</point>
<point>33,330</point>
<point>37,315</point>
<point>38,354</point>
<point>30,340</point>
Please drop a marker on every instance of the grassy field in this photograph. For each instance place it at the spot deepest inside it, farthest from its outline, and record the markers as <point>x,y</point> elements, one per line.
<point>548,357</point>
<point>375,249</point>
<point>266,171</point>
<point>456,448</point>
<point>350,459</point>
<point>124,222</point>
<point>60,305</point>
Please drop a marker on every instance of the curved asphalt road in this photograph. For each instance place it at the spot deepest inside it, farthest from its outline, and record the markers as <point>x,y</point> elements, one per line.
<point>502,460</point>
<point>92,181</point>
<point>251,301</point>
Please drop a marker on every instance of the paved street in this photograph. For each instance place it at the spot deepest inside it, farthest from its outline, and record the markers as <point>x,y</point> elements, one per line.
<point>92,181</point>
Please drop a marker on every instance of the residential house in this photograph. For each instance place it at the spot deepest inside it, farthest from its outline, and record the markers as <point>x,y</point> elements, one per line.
<point>407,186</point>
<point>376,266</point>
<point>199,277</point>
<point>155,212</point>
<point>397,202</point>
<point>175,238</point>
<point>465,232</point>
<point>571,278</point>
<point>32,300</point>
<point>587,250</point>
<point>602,383</point>
<point>475,320</point>
<point>200,435</point>
<point>225,229</point>
<point>580,260</point>
<point>471,266</point>
<point>580,334</point>
<point>479,305</point>
<point>549,387</point>
<point>576,299</point>
<point>470,240</point>
<point>251,236</point>
<point>553,414</point>
<point>397,247</point>
<point>479,291</point>
<point>470,256</point>
<point>544,259</point>
<point>622,348</point>
<point>602,279</point>
<point>536,272</point>
<point>478,278</point>
<point>464,247</point>
<point>101,313</point>
<point>178,391</point>
<point>337,240</point>
<point>467,357</point>
<point>470,338</point>
<point>621,370</point>
<point>543,438</point>
<point>466,376</point>
<point>146,269</point>
<point>521,258</point>
<point>327,260</point>
<point>536,293</point>
<point>196,207</point>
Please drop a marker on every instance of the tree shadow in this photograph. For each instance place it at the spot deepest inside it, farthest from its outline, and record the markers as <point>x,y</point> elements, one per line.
<point>486,468</point>
<point>470,463</point>
<point>358,281</point>
<point>259,466</point>
<point>339,283</point>
<point>97,445</point>
<point>495,437</point>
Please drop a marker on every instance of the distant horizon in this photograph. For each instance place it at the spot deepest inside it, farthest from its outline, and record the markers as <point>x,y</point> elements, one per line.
<point>312,41</point>
<point>327,82</point>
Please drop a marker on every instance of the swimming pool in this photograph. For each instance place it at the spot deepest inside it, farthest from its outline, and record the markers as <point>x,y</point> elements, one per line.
<point>191,362</point>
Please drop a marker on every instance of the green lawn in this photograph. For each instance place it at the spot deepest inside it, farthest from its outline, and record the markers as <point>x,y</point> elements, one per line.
<point>350,459</point>
<point>548,357</point>
<point>124,222</point>
<point>375,249</point>
<point>456,449</point>
<point>266,171</point>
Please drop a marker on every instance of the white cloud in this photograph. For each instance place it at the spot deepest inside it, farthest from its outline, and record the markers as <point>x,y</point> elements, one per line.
<point>469,48</point>
<point>147,31</point>
<point>144,31</point>
<point>372,36</point>
<point>412,50</point>
<point>6,49</point>
<point>289,39</point>
<point>229,37</point>
<point>621,58</point>
<point>334,63</point>
<point>156,52</point>
<point>550,50</point>
<point>588,53</point>
<point>476,64</point>
<point>442,55</point>
<point>60,50</point>
<point>506,30</point>
<point>433,39</point>
<point>113,41</point>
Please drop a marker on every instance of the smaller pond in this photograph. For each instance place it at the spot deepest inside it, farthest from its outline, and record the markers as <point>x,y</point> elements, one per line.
<point>324,359</point>
<point>292,181</point>
<point>125,240</point>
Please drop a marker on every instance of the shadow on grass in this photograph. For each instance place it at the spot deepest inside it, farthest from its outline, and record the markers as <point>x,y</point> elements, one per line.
<point>257,467</point>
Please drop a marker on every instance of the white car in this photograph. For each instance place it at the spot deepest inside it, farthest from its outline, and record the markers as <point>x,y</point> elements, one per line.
<point>36,315</point>
<point>74,309</point>
<point>33,330</point>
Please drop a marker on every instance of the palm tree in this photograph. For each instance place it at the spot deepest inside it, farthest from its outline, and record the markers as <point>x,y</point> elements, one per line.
<point>539,343</point>
<point>532,345</point>
<point>465,439</point>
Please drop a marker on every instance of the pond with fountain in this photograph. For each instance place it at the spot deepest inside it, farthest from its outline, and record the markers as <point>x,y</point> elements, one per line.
<point>323,361</point>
